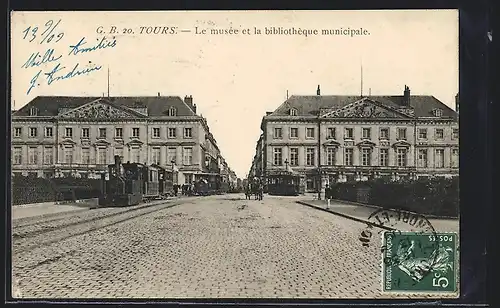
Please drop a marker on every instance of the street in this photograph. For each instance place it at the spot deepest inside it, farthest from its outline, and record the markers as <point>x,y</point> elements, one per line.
<point>206,247</point>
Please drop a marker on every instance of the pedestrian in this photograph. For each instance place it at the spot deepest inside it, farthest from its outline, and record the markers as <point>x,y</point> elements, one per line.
<point>327,196</point>
<point>176,189</point>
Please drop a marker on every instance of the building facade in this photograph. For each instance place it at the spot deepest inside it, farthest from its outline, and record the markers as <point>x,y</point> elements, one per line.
<point>79,136</point>
<point>338,138</point>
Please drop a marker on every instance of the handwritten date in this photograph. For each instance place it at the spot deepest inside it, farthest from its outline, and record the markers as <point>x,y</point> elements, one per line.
<point>46,36</point>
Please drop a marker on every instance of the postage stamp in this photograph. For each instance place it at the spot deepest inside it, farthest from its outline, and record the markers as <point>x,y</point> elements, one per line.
<point>420,262</point>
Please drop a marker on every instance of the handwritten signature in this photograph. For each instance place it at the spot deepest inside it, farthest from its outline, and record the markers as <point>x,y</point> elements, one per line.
<point>60,72</point>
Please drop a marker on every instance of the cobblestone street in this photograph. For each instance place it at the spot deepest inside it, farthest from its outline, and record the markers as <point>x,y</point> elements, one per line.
<point>218,246</point>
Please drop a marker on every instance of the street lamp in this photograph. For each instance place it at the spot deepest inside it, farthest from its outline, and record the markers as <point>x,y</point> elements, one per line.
<point>286,164</point>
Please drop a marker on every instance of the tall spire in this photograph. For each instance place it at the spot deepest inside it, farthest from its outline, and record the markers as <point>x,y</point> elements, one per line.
<point>361,77</point>
<point>108,81</point>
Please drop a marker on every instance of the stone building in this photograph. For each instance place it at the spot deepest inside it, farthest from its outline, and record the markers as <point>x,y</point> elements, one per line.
<point>56,136</point>
<point>331,138</point>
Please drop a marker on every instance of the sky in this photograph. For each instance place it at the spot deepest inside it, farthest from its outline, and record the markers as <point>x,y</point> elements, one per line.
<point>235,78</point>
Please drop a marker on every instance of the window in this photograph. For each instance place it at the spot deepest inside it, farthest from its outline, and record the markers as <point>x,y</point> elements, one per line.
<point>310,157</point>
<point>278,133</point>
<point>85,156</point>
<point>294,132</point>
<point>367,133</point>
<point>69,132</point>
<point>401,157</point>
<point>68,155</point>
<point>422,158</point>
<point>102,132</point>
<point>119,132</point>
<point>33,132</point>
<point>18,131</point>
<point>32,155</point>
<point>454,158</point>
<point>156,156</point>
<point>366,156</point>
<point>439,158</point>
<point>119,152</point>
<point>454,134</point>
<point>384,157</point>
<point>101,156</point>
<point>349,133</point>
<point>156,132</point>
<point>401,133</point>
<point>171,155</point>
<point>85,133</point>
<point>17,156</point>
<point>422,133</point>
<point>349,153</point>
<point>172,132</point>
<point>294,156</point>
<point>439,133</point>
<point>293,112</point>
<point>188,156</point>
<point>135,155</point>
<point>33,111</point>
<point>278,156</point>
<point>48,155</point>
<point>384,133</point>
<point>135,132</point>
<point>49,132</point>
<point>188,132</point>
<point>438,112</point>
<point>331,134</point>
<point>310,132</point>
<point>172,112</point>
<point>330,156</point>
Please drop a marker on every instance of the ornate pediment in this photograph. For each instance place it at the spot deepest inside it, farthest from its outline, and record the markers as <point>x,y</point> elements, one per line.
<point>401,144</point>
<point>365,108</point>
<point>366,143</point>
<point>68,141</point>
<point>135,142</point>
<point>100,110</point>
<point>102,142</point>
<point>331,143</point>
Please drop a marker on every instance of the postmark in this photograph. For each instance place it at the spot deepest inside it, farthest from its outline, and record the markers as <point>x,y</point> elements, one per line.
<point>419,262</point>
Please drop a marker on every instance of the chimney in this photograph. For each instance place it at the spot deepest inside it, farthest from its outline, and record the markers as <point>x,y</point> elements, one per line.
<point>189,101</point>
<point>457,103</point>
<point>318,92</point>
<point>194,108</point>
<point>406,96</point>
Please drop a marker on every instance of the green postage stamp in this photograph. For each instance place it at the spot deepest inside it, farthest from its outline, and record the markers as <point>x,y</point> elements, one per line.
<point>420,262</point>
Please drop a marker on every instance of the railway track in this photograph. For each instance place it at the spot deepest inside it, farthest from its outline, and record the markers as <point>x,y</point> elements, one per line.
<point>47,232</point>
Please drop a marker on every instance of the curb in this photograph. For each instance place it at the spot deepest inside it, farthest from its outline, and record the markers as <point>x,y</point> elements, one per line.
<point>366,222</point>
<point>391,209</point>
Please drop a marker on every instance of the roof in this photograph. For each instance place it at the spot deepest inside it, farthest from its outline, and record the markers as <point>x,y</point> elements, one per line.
<point>157,105</point>
<point>310,105</point>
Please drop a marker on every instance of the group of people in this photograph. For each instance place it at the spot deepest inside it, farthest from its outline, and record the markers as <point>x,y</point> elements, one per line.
<point>255,187</point>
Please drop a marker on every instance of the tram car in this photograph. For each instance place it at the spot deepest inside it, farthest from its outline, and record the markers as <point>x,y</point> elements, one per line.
<point>129,184</point>
<point>283,185</point>
<point>165,181</point>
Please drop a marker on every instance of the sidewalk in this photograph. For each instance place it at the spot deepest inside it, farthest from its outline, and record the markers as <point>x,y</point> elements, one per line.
<point>361,213</point>
<point>42,209</point>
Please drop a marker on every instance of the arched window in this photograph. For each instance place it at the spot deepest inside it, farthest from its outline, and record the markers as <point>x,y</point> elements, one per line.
<point>293,112</point>
<point>33,111</point>
<point>172,112</point>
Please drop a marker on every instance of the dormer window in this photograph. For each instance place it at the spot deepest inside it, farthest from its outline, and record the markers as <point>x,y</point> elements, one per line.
<point>293,112</point>
<point>33,111</point>
<point>437,112</point>
<point>172,112</point>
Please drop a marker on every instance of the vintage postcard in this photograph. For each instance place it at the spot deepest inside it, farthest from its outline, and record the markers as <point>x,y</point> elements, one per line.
<point>235,154</point>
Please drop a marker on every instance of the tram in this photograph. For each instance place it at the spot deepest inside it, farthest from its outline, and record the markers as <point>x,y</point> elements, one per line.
<point>283,184</point>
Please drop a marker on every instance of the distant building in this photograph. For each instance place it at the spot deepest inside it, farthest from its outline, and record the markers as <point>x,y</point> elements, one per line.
<point>332,138</point>
<point>79,136</point>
